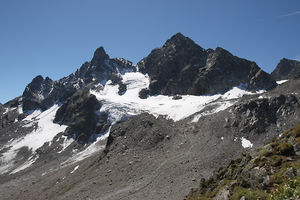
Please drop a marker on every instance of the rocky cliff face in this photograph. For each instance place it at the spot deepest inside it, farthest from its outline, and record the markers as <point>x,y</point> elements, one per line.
<point>180,66</point>
<point>255,116</point>
<point>286,69</point>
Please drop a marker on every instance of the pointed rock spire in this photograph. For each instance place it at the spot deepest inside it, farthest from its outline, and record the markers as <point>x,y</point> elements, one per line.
<point>99,56</point>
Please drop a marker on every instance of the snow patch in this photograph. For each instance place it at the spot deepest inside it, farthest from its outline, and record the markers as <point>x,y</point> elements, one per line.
<point>281,82</point>
<point>75,168</point>
<point>20,109</point>
<point>219,107</point>
<point>246,143</point>
<point>67,142</point>
<point>90,150</point>
<point>121,107</point>
<point>8,110</point>
<point>44,132</point>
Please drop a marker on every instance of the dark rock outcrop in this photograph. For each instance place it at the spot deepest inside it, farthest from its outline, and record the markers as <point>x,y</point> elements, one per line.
<point>79,112</point>
<point>1,108</point>
<point>36,92</point>
<point>143,131</point>
<point>254,116</point>
<point>13,103</point>
<point>99,57</point>
<point>286,69</point>
<point>8,118</point>
<point>180,66</point>
<point>144,93</point>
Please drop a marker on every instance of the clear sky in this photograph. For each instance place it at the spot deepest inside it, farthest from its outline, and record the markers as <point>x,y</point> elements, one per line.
<point>54,37</point>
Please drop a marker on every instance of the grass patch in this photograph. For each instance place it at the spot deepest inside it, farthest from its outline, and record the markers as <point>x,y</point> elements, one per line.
<point>249,194</point>
<point>296,131</point>
<point>266,153</point>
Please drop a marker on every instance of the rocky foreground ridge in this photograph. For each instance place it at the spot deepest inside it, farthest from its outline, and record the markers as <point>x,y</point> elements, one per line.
<point>268,172</point>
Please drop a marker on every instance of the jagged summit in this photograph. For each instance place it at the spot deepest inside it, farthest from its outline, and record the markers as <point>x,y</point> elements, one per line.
<point>180,41</point>
<point>181,66</point>
<point>99,57</point>
<point>42,93</point>
<point>286,69</point>
<point>35,93</point>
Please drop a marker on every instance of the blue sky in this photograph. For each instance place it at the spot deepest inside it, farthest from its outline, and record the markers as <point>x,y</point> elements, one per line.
<point>53,38</point>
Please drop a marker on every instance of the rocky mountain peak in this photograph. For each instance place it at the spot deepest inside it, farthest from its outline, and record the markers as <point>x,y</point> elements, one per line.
<point>99,56</point>
<point>181,66</point>
<point>181,42</point>
<point>42,93</point>
<point>37,79</point>
<point>35,93</point>
<point>286,69</point>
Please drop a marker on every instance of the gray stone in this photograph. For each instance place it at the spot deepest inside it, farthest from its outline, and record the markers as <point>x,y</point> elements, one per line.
<point>286,69</point>
<point>223,194</point>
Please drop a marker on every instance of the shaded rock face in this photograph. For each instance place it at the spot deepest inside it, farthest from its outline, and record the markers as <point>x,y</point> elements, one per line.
<point>42,93</point>
<point>1,108</point>
<point>286,69</point>
<point>143,131</point>
<point>13,103</point>
<point>9,113</point>
<point>8,118</point>
<point>35,93</point>
<point>79,113</point>
<point>255,116</point>
<point>180,66</point>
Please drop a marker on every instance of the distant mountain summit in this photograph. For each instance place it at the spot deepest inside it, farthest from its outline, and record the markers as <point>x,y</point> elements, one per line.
<point>286,69</point>
<point>181,66</point>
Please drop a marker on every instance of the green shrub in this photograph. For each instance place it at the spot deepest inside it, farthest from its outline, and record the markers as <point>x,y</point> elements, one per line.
<point>290,188</point>
<point>286,149</point>
<point>296,131</point>
<point>266,153</point>
<point>276,160</point>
